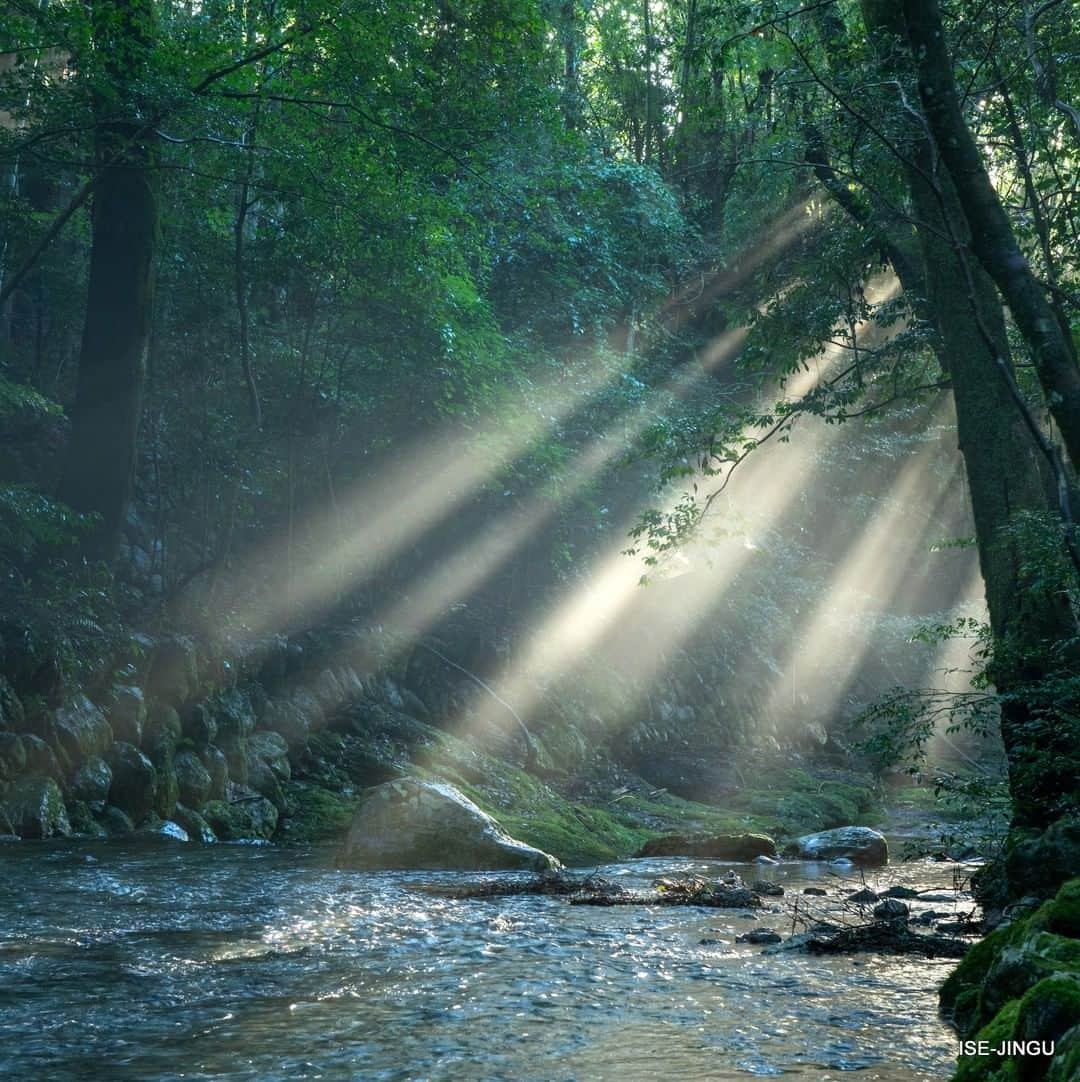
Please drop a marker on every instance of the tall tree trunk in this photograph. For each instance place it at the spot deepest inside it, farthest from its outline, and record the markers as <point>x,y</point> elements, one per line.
<point>101,454</point>
<point>1001,457</point>
<point>992,239</point>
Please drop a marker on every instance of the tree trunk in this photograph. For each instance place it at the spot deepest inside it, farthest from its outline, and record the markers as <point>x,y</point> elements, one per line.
<point>105,418</point>
<point>992,238</point>
<point>1001,461</point>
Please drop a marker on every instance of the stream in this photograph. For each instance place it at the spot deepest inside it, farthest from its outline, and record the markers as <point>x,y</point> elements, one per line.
<point>156,961</point>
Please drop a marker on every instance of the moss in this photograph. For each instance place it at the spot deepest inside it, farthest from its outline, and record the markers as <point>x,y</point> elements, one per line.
<point>991,1068</point>
<point>1061,914</point>
<point>969,975</point>
<point>1049,1009</point>
<point>236,822</point>
<point>320,816</point>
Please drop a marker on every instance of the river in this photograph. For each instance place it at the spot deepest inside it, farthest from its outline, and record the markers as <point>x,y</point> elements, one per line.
<point>162,961</point>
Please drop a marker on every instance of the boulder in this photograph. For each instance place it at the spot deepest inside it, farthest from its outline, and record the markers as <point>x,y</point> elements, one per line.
<point>83,822</point>
<point>127,713</point>
<point>12,755</point>
<point>217,766</point>
<point>739,847</point>
<point>11,708</point>
<point>1042,862</point>
<point>40,758</point>
<point>410,823</point>
<point>285,717</point>
<point>134,781</point>
<point>249,818</point>
<point>81,730</point>
<point>892,909</point>
<point>92,781</point>
<point>194,781</point>
<point>197,828</point>
<point>36,809</point>
<point>174,670</point>
<point>860,845</point>
<point>114,822</point>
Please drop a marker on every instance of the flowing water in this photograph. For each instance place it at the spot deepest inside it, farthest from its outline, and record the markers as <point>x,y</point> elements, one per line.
<point>243,962</point>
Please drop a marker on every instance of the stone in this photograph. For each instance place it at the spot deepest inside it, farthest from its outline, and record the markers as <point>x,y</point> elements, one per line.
<point>35,807</point>
<point>11,708</point>
<point>166,829</point>
<point>738,847</point>
<point>860,845</point>
<point>81,730</point>
<point>40,758</point>
<point>892,909</point>
<point>817,892</point>
<point>12,755</point>
<point>250,818</point>
<point>197,828</point>
<point>127,713</point>
<point>863,897</point>
<point>115,822</point>
<point>409,823</point>
<point>167,793</point>
<point>1042,862</point>
<point>92,781</point>
<point>233,713</point>
<point>213,758</point>
<point>759,935</point>
<point>200,725</point>
<point>285,717</point>
<point>193,780</point>
<point>904,893</point>
<point>83,822</point>
<point>763,886</point>
<point>174,670</point>
<point>134,781</point>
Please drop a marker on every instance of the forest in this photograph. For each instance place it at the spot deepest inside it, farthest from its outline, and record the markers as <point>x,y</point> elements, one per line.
<point>538,539</point>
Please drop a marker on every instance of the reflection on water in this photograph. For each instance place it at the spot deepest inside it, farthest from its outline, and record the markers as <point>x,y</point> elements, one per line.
<point>258,963</point>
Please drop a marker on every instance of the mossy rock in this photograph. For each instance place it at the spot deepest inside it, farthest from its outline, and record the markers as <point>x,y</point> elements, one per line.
<point>992,1068</point>
<point>1047,1012</point>
<point>198,829</point>
<point>319,815</point>
<point>83,822</point>
<point>247,819</point>
<point>35,807</point>
<point>738,847</point>
<point>968,977</point>
<point>1061,914</point>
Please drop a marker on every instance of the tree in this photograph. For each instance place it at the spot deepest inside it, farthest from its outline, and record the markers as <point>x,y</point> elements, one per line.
<point>101,454</point>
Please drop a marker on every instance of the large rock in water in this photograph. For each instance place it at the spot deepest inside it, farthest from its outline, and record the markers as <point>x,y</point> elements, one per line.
<point>36,809</point>
<point>710,846</point>
<point>408,823</point>
<point>860,845</point>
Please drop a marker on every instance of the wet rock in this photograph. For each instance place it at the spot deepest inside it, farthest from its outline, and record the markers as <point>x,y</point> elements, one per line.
<point>898,891</point>
<point>860,845</point>
<point>134,781</point>
<point>163,724</point>
<point>817,892</point>
<point>83,822</point>
<point>306,703</point>
<point>193,780</point>
<point>410,823</point>
<point>286,718</point>
<point>11,708</point>
<point>739,847</point>
<point>81,730</point>
<point>40,758</point>
<point>213,758</point>
<point>166,829</point>
<point>268,767</point>
<point>12,755</point>
<point>127,713</point>
<point>771,890</point>
<point>234,714</point>
<point>174,670</point>
<point>116,823</point>
<point>892,909</point>
<point>92,781</point>
<point>197,828</point>
<point>200,725</point>
<point>1042,862</point>
<point>234,748</point>
<point>35,808</point>
<point>863,897</point>
<point>167,793</point>
<point>250,818</point>
<point>759,935</point>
